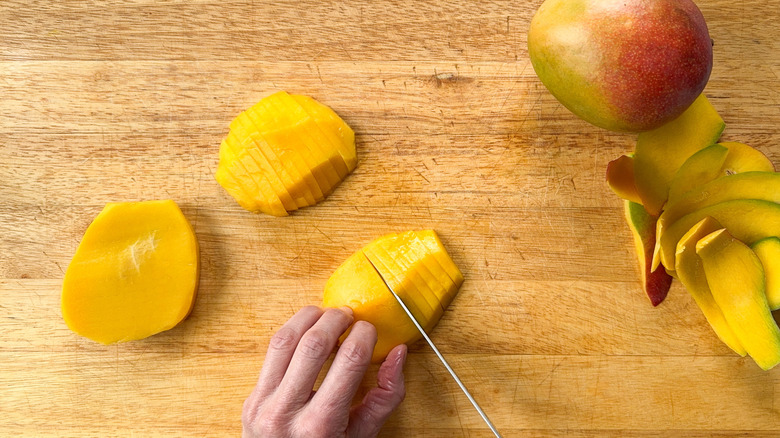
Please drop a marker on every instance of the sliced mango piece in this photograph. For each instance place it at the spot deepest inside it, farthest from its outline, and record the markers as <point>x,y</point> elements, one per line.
<point>656,283</point>
<point>255,193</point>
<point>700,168</point>
<point>743,158</point>
<point>620,178</point>
<point>748,185</point>
<point>431,240</point>
<point>358,283</point>
<point>332,127</point>
<point>691,273</point>
<point>748,220</point>
<point>134,274</point>
<point>293,135</point>
<point>313,137</point>
<point>401,281</point>
<point>736,278</point>
<point>293,149</point>
<point>243,128</point>
<point>768,251</point>
<point>660,152</point>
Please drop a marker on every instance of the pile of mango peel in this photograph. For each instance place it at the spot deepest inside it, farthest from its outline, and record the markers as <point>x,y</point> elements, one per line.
<point>135,272</point>
<point>707,214</point>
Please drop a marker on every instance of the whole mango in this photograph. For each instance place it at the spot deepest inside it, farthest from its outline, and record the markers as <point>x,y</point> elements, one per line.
<point>623,65</point>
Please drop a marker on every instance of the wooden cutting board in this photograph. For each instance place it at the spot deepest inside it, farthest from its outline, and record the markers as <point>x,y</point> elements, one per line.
<point>128,100</point>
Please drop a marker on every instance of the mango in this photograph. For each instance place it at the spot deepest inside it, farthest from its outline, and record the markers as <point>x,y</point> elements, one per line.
<point>284,153</point>
<point>416,266</point>
<point>748,220</point>
<point>690,272</point>
<point>632,65</point>
<point>656,284</point>
<point>661,152</point>
<point>620,178</point>
<point>768,251</point>
<point>134,274</point>
<point>743,158</point>
<point>749,185</point>
<point>736,278</point>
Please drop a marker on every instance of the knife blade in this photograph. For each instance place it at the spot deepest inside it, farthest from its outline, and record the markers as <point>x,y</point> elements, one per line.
<point>438,353</point>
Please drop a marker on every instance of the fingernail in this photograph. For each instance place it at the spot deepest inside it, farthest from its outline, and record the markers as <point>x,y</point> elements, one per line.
<point>400,360</point>
<point>347,310</point>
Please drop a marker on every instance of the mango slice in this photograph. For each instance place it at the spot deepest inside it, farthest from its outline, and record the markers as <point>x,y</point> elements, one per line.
<point>700,168</point>
<point>284,153</point>
<point>357,285</point>
<point>656,283</point>
<point>748,220</point>
<point>768,251</point>
<point>749,185</point>
<point>743,158</point>
<point>134,274</point>
<point>736,278</point>
<point>660,152</point>
<point>620,178</point>
<point>398,259</point>
<point>690,272</point>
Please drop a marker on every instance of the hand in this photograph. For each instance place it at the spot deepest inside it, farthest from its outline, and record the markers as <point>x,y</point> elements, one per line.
<point>283,403</point>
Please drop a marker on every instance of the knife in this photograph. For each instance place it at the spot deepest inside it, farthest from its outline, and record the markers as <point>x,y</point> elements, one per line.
<point>438,353</point>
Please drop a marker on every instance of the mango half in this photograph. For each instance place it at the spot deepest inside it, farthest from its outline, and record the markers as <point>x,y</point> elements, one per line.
<point>284,153</point>
<point>416,266</point>
<point>134,274</point>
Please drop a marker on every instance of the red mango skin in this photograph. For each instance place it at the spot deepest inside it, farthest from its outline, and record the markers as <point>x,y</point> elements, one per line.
<point>656,284</point>
<point>623,65</point>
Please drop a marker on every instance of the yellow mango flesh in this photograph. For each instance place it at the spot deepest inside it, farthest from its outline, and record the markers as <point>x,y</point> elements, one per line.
<point>660,152</point>
<point>620,178</point>
<point>642,225</point>
<point>743,158</point>
<point>690,272</point>
<point>284,153</point>
<point>700,168</point>
<point>768,251</point>
<point>134,274</point>
<point>359,284</point>
<point>736,278</point>
<point>763,186</point>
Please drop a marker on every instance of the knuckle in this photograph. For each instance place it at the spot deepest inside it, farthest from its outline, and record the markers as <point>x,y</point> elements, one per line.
<point>315,344</point>
<point>284,339</point>
<point>356,355</point>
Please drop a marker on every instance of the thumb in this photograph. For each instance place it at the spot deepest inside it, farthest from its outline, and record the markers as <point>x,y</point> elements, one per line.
<point>368,417</point>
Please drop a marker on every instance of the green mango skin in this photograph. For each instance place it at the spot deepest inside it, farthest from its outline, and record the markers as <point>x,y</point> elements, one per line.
<point>622,65</point>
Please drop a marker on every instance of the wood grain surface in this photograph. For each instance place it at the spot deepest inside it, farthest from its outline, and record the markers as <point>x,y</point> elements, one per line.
<point>128,100</point>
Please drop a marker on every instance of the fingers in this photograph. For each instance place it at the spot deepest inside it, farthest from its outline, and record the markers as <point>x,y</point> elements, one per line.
<point>340,385</point>
<point>367,418</point>
<point>310,355</point>
<point>281,349</point>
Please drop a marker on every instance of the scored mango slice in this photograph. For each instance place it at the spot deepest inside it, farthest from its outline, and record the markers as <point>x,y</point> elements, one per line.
<point>396,260</point>
<point>134,274</point>
<point>284,153</point>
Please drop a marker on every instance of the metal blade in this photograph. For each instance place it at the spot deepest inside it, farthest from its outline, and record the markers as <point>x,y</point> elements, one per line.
<point>438,353</point>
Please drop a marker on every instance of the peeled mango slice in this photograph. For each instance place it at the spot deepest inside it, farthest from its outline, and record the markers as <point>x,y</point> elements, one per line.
<point>660,152</point>
<point>134,274</point>
<point>690,271</point>
<point>284,153</point>
<point>417,267</point>
<point>736,278</point>
<point>763,186</point>
<point>656,283</point>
